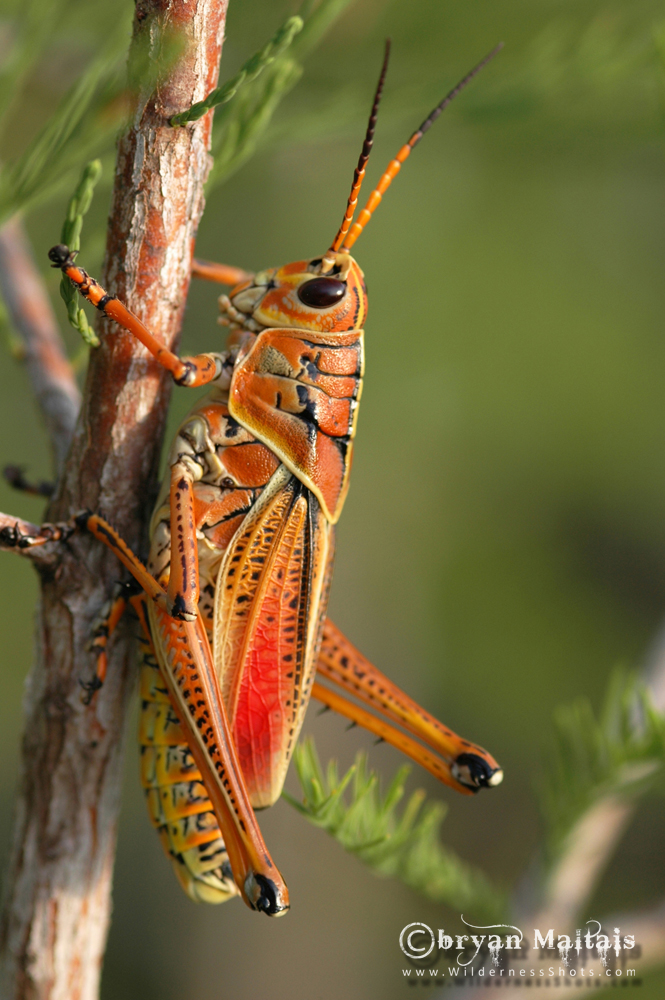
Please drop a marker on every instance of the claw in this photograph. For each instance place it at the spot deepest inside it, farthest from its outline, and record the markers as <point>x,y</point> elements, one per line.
<point>474,772</point>
<point>61,256</point>
<point>265,895</point>
<point>12,535</point>
<point>90,688</point>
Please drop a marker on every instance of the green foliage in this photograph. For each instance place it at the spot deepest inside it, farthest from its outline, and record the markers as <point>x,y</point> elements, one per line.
<point>249,72</point>
<point>607,71</point>
<point>33,31</point>
<point>241,123</point>
<point>620,753</point>
<point>87,119</point>
<point>402,845</point>
<point>91,113</point>
<point>71,237</point>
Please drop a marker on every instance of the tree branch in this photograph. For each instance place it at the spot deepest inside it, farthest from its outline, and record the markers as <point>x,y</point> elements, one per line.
<point>29,307</point>
<point>57,909</point>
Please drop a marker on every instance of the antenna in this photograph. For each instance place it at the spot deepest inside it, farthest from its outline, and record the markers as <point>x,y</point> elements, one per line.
<point>395,165</point>
<point>328,259</point>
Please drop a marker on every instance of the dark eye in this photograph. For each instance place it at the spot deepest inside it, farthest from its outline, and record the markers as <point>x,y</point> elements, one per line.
<point>322,292</point>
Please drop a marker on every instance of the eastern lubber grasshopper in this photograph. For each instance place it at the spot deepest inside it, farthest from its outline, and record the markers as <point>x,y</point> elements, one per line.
<point>233,598</point>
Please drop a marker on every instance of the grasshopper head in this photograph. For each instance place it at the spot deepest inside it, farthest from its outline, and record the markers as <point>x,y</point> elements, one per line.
<point>300,295</point>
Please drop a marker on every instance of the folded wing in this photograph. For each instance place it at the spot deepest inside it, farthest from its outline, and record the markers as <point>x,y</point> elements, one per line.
<point>270,600</point>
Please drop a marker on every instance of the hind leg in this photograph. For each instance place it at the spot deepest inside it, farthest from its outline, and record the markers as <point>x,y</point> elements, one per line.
<point>464,766</point>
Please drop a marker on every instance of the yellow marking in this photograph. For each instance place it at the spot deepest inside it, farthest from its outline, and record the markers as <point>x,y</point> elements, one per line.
<point>159,724</point>
<point>184,798</point>
<point>189,831</point>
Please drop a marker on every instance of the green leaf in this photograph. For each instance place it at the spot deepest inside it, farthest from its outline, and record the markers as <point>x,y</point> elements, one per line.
<point>403,845</point>
<point>248,119</point>
<point>622,752</point>
<point>32,32</point>
<point>88,115</point>
<point>71,237</point>
<point>242,122</point>
<point>249,72</point>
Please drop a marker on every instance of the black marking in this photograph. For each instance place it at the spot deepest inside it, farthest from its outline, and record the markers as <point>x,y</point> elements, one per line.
<point>104,301</point>
<point>241,511</point>
<point>90,688</point>
<point>81,519</point>
<point>310,368</point>
<point>268,901</point>
<point>187,375</point>
<point>479,770</point>
<point>357,308</point>
<point>179,607</point>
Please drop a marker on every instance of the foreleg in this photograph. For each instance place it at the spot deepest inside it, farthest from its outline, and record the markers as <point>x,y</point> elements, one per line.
<point>221,274</point>
<point>185,371</point>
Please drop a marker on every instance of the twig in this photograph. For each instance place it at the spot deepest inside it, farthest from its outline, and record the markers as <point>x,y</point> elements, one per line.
<point>252,68</point>
<point>58,898</point>
<point>590,846</point>
<point>31,313</point>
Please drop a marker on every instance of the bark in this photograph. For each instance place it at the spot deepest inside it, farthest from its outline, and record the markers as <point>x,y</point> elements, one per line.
<point>57,909</point>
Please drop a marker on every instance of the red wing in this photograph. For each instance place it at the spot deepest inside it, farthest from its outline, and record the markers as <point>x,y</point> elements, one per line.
<point>270,600</point>
<point>297,391</point>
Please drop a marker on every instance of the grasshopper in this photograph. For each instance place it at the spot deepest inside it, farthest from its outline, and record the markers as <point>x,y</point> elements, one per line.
<point>233,596</point>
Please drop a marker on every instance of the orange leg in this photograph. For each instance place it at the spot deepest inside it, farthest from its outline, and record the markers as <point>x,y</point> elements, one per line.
<point>103,531</point>
<point>189,673</point>
<point>221,274</point>
<point>103,628</point>
<point>457,762</point>
<point>186,371</point>
<point>14,475</point>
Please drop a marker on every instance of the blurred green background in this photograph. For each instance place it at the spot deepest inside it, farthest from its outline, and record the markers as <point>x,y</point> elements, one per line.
<point>503,544</point>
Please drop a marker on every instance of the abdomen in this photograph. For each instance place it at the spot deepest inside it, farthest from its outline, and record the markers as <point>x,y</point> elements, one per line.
<point>264,630</point>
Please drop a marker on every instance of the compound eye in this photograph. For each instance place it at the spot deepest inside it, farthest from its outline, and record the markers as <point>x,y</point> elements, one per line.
<point>322,292</point>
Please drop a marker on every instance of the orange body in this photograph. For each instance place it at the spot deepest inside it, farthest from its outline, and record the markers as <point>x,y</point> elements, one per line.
<point>242,542</point>
<point>270,457</point>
